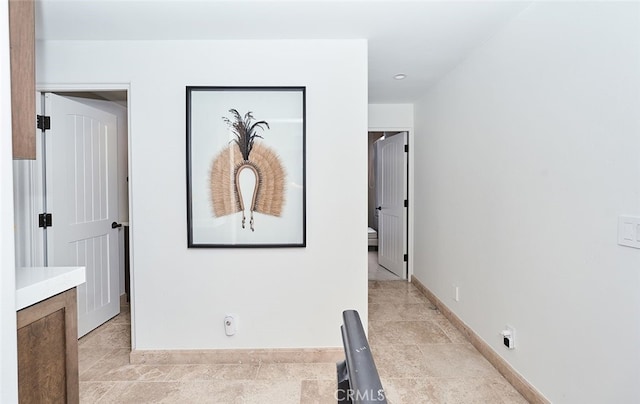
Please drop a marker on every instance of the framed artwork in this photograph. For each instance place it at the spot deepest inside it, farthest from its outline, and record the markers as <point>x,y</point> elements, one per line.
<point>246,167</point>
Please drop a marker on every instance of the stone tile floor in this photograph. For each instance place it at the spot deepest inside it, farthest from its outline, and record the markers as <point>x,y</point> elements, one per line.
<point>378,272</point>
<point>420,356</point>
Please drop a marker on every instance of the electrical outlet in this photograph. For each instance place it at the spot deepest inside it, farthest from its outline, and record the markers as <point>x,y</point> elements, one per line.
<point>230,324</point>
<point>456,293</point>
<point>509,337</point>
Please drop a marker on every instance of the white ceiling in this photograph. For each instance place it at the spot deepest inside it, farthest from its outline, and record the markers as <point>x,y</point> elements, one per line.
<point>423,39</point>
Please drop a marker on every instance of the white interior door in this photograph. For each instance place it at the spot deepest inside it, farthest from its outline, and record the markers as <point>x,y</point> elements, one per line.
<point>81,189</point>
<point>391,184</point>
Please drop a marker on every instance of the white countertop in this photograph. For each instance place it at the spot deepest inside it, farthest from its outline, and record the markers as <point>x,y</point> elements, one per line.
<point>39,283</point>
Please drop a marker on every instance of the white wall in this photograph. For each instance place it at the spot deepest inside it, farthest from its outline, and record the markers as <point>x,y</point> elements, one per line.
<point>290,297</point>
<point>8,345</point>
<point>390,116</point>
<point>529,151</point>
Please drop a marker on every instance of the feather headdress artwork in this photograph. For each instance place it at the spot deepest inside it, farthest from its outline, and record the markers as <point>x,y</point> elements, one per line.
<point>244,152</point>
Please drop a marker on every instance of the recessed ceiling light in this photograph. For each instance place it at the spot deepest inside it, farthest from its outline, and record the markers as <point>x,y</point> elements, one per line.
<point>400,76</point>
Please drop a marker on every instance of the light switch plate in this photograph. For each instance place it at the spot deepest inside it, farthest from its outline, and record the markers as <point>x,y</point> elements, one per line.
<point>629,231</point>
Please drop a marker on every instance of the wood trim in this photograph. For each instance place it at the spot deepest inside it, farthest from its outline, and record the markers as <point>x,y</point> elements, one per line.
<point>517,381</point>
<point>71,321</point>
<point>37,311</point>
<point>65,301</point>
<point>231,356</point>
<point>23,82</point>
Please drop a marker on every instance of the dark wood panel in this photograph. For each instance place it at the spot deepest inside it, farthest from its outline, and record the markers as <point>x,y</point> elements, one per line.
<point>71,322</point>
<point>42,363</point>
<point>48,351</point>
<point>23,83</point>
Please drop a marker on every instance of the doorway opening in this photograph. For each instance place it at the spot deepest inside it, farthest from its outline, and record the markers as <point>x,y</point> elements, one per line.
<point>388,194</point>
<point>115,102</point>
<point>80,179</point>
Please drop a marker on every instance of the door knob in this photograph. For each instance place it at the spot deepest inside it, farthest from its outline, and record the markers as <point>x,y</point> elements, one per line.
<point>379,208</point>
<point>115,225</point>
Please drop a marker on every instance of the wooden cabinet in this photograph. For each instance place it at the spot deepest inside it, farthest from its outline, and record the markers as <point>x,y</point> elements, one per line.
<point>23,78</point>
<point>48,351</point>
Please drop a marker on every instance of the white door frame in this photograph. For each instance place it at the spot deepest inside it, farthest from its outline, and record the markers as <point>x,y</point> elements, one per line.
<point>90,87</point>
<point>410,220</point>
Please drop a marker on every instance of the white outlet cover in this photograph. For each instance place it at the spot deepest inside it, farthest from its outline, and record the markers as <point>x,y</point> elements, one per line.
<point>508,330</point>
<point>629,231</point>
<point>230,325</point>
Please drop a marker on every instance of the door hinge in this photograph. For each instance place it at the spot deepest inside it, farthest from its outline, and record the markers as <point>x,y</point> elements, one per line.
<point>406,148</point>
<point>406,257</point>
<point>45,220</point>
<point>406,203</point>
<point>44,122</point>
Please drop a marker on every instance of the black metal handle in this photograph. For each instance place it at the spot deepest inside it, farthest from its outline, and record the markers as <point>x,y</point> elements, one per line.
<point>115,225</point>
<point>379,208</point>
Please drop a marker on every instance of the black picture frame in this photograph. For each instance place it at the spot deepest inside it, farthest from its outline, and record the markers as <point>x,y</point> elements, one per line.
<point>246,173</point>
